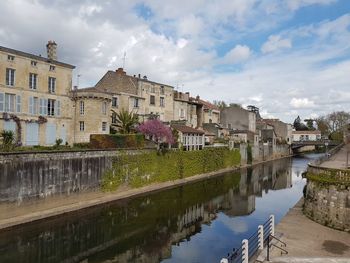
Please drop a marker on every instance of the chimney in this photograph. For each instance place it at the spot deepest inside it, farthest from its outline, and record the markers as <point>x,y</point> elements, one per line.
<point>120,71</point>
<point>197,97</point>
<point>145,77</point>
<point>51,48</point>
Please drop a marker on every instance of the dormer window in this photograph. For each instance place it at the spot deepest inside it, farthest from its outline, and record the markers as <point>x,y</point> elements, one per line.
<point>10,58</point>
<point>52,68</point>
<point>33,63</point>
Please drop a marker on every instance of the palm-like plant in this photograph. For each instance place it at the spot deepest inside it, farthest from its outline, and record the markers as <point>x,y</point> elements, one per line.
<point>7,138</point>
<point>125,121</point>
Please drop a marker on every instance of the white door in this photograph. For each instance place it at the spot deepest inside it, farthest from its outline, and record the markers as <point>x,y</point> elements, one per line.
<point>63,135</point>
<point>32,134</point>
<point>10,126</point>
<point>50,133</point>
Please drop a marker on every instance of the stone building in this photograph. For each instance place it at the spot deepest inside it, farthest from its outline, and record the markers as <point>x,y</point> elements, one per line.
<point>283,130</point>
<point>237,118</point>
<point>211,113</point>
<point>189,138</point>
<point>306,136</point>
<point>186,109</point>
<point>138,94</point>
<point>92,113</point>
<point>34,96</point>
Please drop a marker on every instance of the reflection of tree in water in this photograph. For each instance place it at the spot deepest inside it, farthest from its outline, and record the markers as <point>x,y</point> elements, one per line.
<point>142,229</point>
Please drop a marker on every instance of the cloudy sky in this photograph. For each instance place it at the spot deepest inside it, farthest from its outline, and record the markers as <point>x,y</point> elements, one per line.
<point>288,57</point>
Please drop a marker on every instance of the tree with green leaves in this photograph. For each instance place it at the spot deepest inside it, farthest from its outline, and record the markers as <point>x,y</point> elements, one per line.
<point>310,124</point>
<point>124,121</point>
<point>298,125</point>
<point>7,140</point>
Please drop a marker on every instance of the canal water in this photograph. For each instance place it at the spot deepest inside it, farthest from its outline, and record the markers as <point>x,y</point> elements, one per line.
<point>199,222</point>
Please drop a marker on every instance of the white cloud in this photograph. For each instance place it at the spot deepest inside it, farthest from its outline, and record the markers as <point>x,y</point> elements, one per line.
<point>237,54</point>
<point>296,4</point>
<point>275,43</point>
<point>300,103</point>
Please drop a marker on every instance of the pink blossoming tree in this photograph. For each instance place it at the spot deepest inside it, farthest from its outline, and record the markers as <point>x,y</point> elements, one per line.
<point>157,131</point>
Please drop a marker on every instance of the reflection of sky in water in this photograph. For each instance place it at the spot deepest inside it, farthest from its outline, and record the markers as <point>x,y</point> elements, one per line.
<point>224,233</point>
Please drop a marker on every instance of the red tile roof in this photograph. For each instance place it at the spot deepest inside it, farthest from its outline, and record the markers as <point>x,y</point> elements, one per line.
<point>186,129</point>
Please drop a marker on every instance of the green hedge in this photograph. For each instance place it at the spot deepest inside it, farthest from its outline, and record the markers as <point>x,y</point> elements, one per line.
<point>145,168</point>
<point>108,141</point>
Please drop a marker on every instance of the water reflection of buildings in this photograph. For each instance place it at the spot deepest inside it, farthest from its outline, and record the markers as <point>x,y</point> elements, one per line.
<point>145,229</point>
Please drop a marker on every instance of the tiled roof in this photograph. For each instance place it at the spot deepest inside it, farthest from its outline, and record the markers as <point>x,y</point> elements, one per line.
<point>186,129</point>
<point>35,57</point>
<point>208,105</point>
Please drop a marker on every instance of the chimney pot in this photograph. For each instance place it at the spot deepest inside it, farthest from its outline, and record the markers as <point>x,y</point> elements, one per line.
<point>51,48</point>
<point>139,76</point>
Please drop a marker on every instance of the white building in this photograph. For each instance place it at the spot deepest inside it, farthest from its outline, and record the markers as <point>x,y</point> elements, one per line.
<point>306,136</point>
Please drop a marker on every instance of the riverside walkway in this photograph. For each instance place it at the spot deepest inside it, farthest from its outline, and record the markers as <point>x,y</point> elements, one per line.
<point>308,241</point>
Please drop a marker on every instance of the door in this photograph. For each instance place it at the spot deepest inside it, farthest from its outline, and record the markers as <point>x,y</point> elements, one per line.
<point>50,133</point>
<point>32,134</point>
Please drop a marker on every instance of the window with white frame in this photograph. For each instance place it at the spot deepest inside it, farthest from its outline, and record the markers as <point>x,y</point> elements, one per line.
<point>33,63</point>
<point>104,108</point>
<point>52,85</point>
<point>10,76</point>
<point>81,126</point>
<point>82,107</point>
<point>52,68</point>
<point>104,126</point>
<point>136,102</point>
<point>9,102</point>
<point>152,100</point>
<point>10,58</point>
<point>162,102</point>
<point>33,105</point>
<point>51,107</point>
<point>43,106</point>
<point>162,90</point>
<point>33,80</point>
<point>115,102</point>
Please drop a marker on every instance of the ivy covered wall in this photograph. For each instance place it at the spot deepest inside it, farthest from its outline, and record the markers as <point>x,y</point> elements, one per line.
<point>146,168</point>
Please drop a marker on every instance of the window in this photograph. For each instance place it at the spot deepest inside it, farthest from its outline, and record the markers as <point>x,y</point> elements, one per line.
<point>153,89</point>
<point>162,104</point>
<point>10,77</point>
<point>82,107</point>
<point>136,102</point>
<point>162,90</point>
<point>52,68</point>
<point>104,108</point>
<point>152,100</point>
<point>33,63</point>
<point>81,126</point>
<point>43,106</point>
<point>33,105</point>
<point>114,117</point>
<point>104,126</point>
<point>182,113</point>
<point>50,107</point>
<point>10,58</point>
<point>52,84</point>
<point>9,102</point>
<point>33,80</point>
<point>114,102</point>
<point>19,107</point>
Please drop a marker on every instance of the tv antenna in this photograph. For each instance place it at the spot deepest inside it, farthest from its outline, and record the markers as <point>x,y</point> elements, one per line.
<point>78,77</point>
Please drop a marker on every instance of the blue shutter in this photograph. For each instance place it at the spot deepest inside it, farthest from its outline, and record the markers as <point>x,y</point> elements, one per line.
<point>18,97</point>
<point>2,101</point>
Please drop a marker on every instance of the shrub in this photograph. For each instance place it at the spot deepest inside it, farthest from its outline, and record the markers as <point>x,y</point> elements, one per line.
<point>110,141</point>
<point>8,138</point>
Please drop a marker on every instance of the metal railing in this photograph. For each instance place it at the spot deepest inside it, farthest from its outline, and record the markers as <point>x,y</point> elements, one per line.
<point>253,244</point>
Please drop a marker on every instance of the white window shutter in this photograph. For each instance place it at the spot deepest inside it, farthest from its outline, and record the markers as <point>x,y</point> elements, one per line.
<point>2,101</point>
<point>45,106</point>
<point>30,109</point>
<point>18,97</point>
<point>58,103</point>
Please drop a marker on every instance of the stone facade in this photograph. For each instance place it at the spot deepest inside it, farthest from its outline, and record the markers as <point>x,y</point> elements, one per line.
<point>237,118</point>
<point>328,205</point>
<point>185,109</point>
<point>92,113</point>
<point>34,97</point>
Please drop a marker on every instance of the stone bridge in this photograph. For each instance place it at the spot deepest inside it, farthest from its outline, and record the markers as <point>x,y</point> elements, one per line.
<point>299,144</point>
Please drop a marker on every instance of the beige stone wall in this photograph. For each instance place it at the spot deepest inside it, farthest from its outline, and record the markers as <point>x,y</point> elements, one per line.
<point>212,115</point>
<point>23,67</point>
<point>146,89</point>
<point>93,117</point>
<point>189,112</point>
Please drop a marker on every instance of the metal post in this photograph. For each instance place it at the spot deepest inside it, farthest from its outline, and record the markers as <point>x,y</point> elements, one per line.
<point>245,252</point>
<point>261,237</point>
<point>272,225</point>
